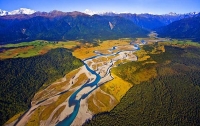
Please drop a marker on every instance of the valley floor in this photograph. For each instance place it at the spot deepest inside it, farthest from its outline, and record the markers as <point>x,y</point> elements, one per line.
<point>93,88</point>
<point>52,104</point>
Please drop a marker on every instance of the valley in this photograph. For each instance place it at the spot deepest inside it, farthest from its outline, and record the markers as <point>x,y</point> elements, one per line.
<point>75,87</point>
<point>165,87</point>
<point>73,68</point>
<point>94,87</point>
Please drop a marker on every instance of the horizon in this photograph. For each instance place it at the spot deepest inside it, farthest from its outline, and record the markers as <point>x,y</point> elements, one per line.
<point>116,6</point>
<point>90,12</point>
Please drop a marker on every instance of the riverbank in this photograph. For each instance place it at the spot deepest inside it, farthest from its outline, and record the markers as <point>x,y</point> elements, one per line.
<point>67,99</point>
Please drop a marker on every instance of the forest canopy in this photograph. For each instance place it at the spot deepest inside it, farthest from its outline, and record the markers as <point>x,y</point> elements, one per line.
<point>21,78</point>
<point>170,98</point>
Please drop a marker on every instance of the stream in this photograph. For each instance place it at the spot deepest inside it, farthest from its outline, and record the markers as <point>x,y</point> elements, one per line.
<point>94,84</point>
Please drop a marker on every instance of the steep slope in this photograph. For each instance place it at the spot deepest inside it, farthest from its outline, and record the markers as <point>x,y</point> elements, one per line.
<point>151,21</point>
<point>67,27</point>
<point>184,29</point>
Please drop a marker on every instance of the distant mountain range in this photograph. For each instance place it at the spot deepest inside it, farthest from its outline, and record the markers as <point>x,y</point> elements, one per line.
<point>188,28</point>
<point>26,25</point>
<point>58,25</point>
<point>19,11</point>
<point>146,21</point>
<point>150,21</point>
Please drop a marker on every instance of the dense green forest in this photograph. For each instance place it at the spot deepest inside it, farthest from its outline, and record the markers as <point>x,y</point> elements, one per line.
<point>182,29</point>
<point>170,98</point>
<point>21,78</point>
<point>68,28</point>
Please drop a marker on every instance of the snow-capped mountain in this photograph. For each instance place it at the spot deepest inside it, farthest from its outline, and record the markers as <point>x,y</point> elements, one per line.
<point>22,11</point>
<point>172,14</point>
<point>2,12</point>
<point>90,12</point>
<point>19,11</point>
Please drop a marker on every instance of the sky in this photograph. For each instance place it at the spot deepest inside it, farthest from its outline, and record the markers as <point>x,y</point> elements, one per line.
<point>118,6</point>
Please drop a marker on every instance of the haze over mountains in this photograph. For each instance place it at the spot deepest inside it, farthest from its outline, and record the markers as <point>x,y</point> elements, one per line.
<point>26,25</point>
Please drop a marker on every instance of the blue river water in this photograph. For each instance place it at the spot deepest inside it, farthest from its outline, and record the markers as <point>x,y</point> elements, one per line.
<point>76,103</point>
<point>72,100</point>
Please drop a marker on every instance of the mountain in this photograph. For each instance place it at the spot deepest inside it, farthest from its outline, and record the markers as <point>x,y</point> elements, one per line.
<point>22,11</point>
<point>150,21</point>
<point>183,29</point>
<point>19,11</point>
<point>2,12</point>
<point>58,25</point>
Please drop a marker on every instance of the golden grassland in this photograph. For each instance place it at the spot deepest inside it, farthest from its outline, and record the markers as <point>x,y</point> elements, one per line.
<point>44,115</point>
<point>102,59</point>
<point>81,79</point>
<point>94,67</point>
<point>43,112</point>
<point>118,62</point>
<point>116,87</point>
<point>58,112</point>
<point>35,117</point>
<point>100,102</point>
<point>38,47</point>
<point>91,106</point>
<point>103,98</point>
<point>86,52</point>
<point>142,55</point>
<point>143,69</point>
<point>15,117</point>
<point>18,52</point>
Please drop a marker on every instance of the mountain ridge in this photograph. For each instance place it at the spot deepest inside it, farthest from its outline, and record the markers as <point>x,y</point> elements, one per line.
<point>73,26</point>
<point>183,29</point>
<point>152,21</point>
<point>18,11</point>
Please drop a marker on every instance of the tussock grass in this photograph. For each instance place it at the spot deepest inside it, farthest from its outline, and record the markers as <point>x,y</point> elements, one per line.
<point>34,48</point>
<point>116,87</point>
<point>86,52</point>
<point>49,109</point>
<point>81,80</point>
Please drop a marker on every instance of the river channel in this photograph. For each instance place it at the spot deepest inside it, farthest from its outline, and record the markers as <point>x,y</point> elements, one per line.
<point>94,84</point>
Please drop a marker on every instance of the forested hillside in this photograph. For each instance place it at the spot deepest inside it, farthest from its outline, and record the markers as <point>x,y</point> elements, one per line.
<point>21,78</point>
<point>170,97</point>
<point>183,29</point>
<point>67,27</point>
